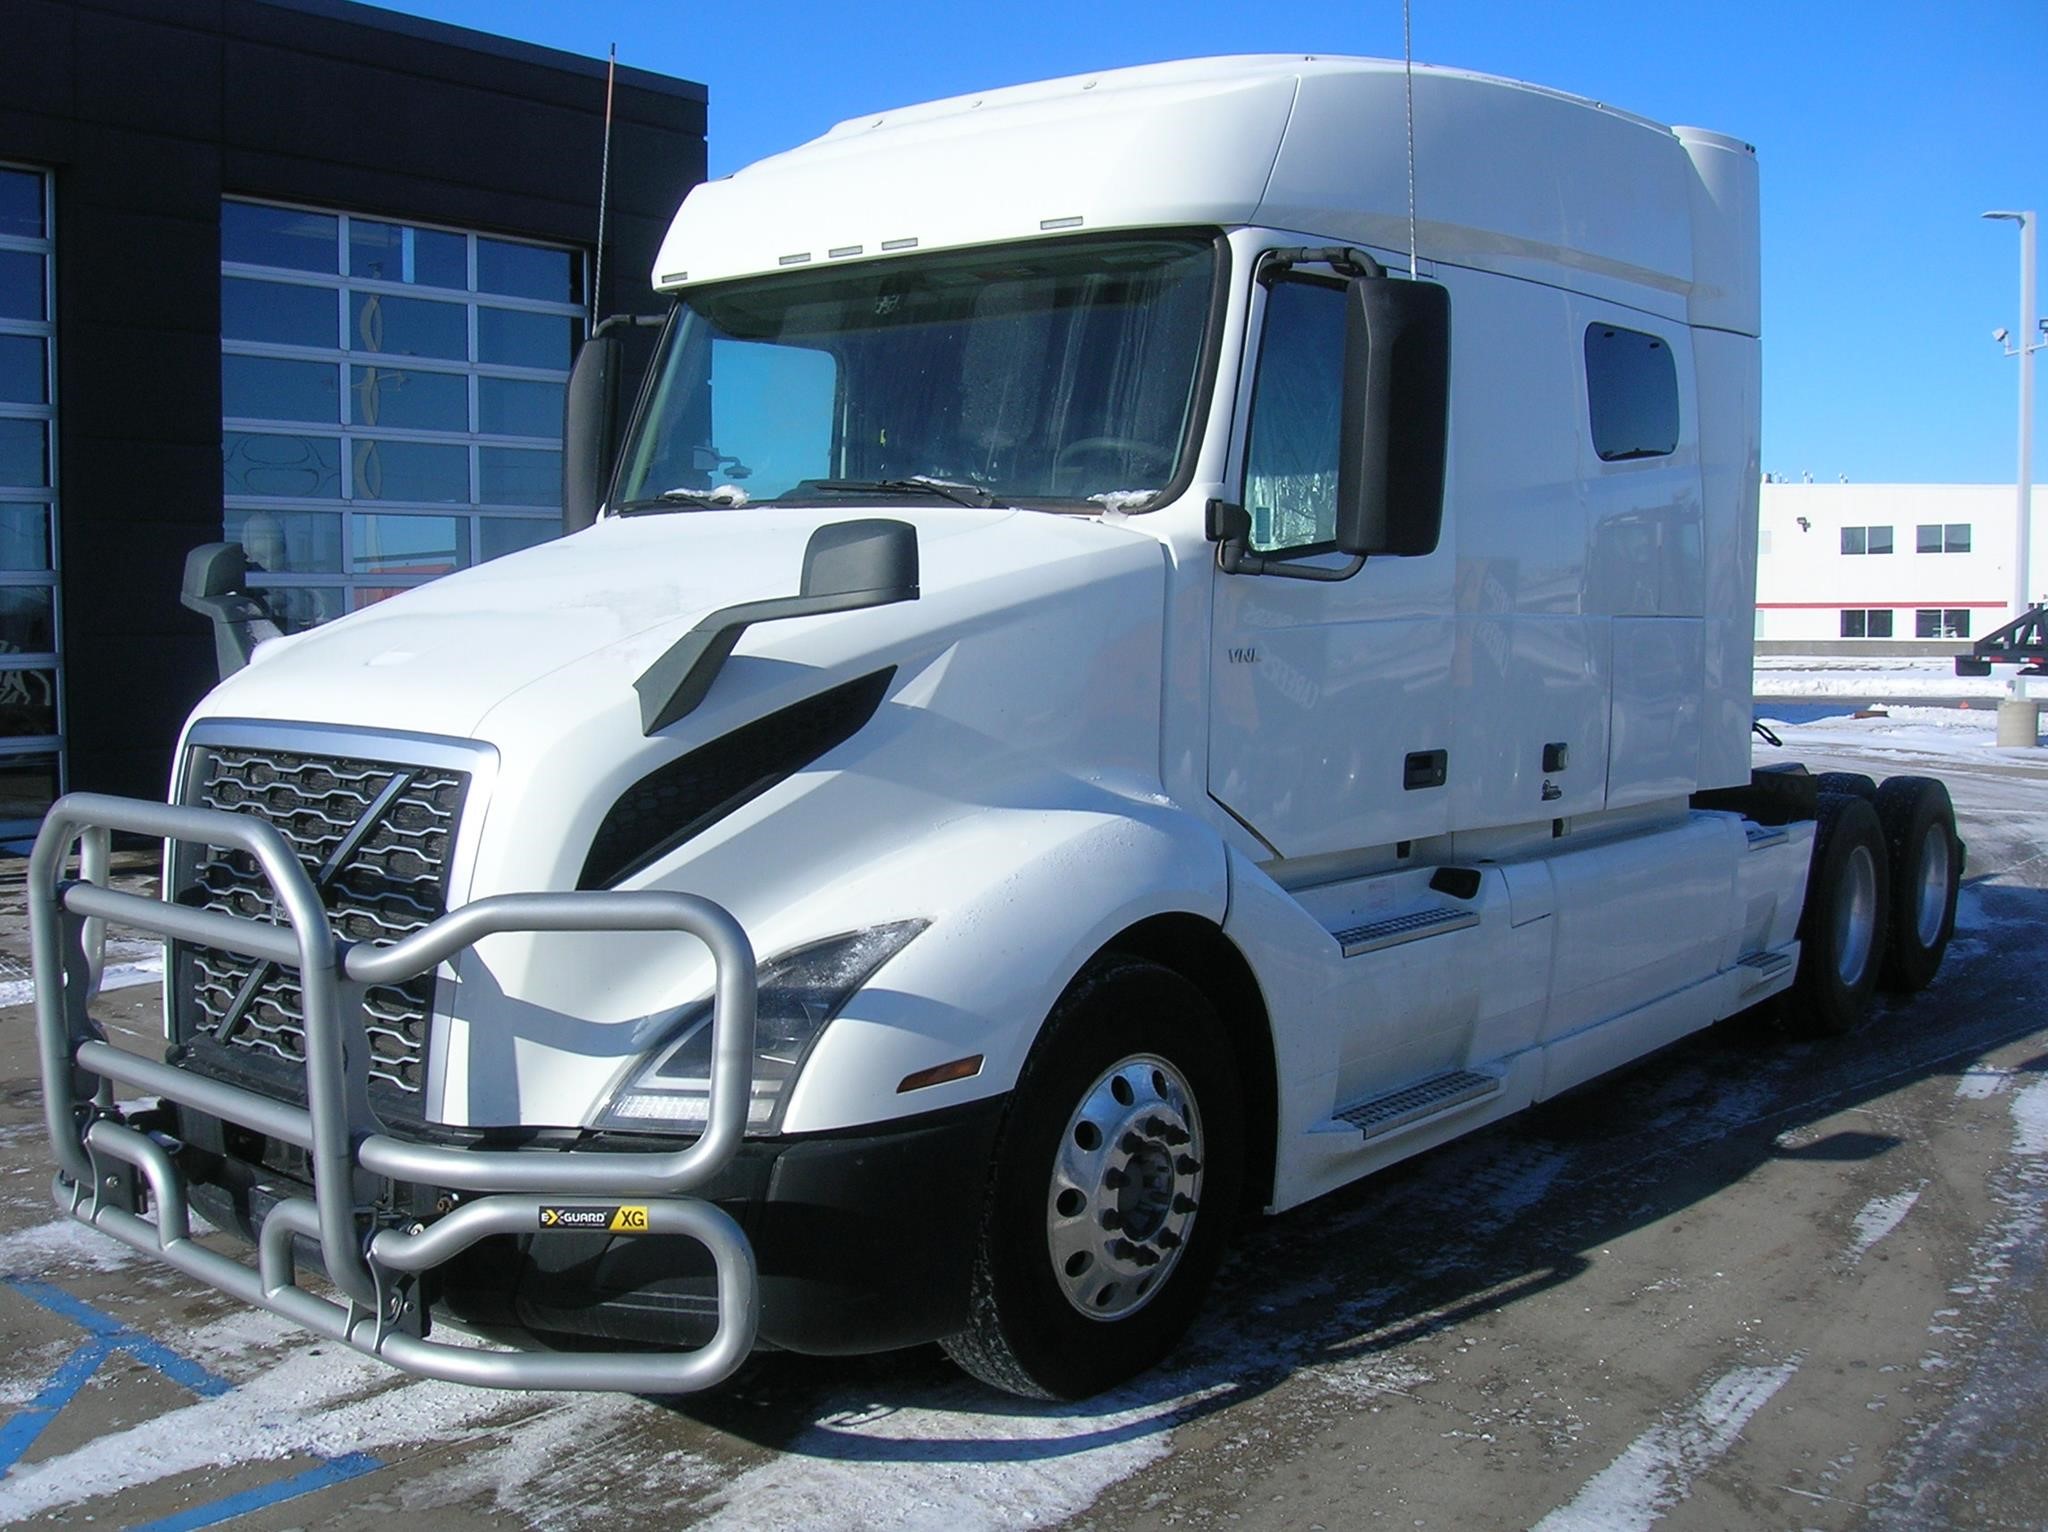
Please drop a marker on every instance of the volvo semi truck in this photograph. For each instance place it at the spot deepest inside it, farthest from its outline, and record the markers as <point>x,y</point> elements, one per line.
<point>1149,651</point>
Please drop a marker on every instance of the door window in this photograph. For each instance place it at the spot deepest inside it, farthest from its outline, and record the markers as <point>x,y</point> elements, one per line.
<point>1290,470</point>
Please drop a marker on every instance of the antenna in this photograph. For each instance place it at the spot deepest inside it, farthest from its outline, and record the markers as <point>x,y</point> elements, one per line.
<point>1408,80</point>
<point>604,185</point>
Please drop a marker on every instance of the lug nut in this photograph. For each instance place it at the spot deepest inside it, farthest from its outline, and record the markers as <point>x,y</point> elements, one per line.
<point>1175,1137</point>
<point>1113,1179</point>
<point>1166,1239</point>
<point>1188,1165</point>
<point>1112,1219</point>
<point>1144,1255</point>
<point>1183,1203</point>
<point>1156,1126</point>
<point>1131,1143</point>
<point>1124,1250</point>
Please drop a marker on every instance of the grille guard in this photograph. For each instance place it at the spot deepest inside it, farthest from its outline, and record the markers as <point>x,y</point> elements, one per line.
<point>110,1173</point>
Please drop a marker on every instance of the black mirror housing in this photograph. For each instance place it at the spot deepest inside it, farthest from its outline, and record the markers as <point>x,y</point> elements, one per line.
<point>1397,369</point>
<point>589,417</point>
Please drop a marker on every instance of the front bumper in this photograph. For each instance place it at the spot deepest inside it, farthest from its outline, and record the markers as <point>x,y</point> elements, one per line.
<point>383,1257</point>
<point>862,1241</point>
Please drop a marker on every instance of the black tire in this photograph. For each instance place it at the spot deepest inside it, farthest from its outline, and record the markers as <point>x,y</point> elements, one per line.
<point>1844,922</point>
<point>1854,783</point>
<point>1116,1022</point>
<point>1926,864</point>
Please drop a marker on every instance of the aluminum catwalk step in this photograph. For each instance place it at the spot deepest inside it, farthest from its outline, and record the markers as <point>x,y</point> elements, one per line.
<point>1409,926</point>
<point>1412,1103</point>
<point>1764,967</point>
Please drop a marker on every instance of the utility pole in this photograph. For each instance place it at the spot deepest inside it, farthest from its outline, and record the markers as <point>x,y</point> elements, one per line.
<point>2019,718</point>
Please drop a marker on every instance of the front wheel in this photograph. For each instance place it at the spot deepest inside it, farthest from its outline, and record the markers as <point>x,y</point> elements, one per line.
<point>1116,1181</point>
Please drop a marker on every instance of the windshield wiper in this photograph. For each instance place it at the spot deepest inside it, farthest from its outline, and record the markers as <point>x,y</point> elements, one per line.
<point>916,484</point>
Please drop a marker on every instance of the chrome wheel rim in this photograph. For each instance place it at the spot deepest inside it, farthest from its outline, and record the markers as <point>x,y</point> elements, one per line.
<point>1126,1186</point>
<point>1856,917</point>
<point>1931,906</point>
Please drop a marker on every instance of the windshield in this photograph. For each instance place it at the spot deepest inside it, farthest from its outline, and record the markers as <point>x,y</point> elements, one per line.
<point>1036,373</point>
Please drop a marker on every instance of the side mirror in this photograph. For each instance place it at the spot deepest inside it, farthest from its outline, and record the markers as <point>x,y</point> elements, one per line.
<point>1397,369</point>
<point>588,417</point>
<point>215,577</point>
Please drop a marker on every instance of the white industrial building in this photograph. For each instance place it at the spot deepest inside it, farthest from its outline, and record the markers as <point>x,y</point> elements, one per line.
<point>1904,565</point>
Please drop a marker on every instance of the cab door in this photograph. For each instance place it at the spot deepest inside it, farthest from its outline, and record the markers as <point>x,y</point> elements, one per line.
<point>1329,717</point>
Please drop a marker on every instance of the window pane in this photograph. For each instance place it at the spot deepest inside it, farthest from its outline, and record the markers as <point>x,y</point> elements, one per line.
<point>277,312</point>
<point>288,542</point>
<point>515,477</point>
<point>390,252</point>
<point>28,703</point>
<point>21,203</point>
<point>24,537</point>
<point>1852,539</point>
<point>1927,540</point>
<point>1852,624</point>
<point>297,607</point>
<point>1880,540</point>
<point>23,460</point>
<point>509,407</point>
<point>513,339</point>
<point>26,623</point>
<point>295,467</point>
<point>407,327</point>
<point>21,285</point>
<point>264,388</point>
<point>528,271</point>
<point>409,545</point>
<point>1880,625</point>
<point>387,470</point>
<point>1926,624</point>
<point>500,535</point>
<point>410,400</point>
<point>278,236</point>
<point>1958,537</point>
<point>25,372</point>
<point>28,785</point>
<point>1290,474</point>
<point>1632,390</point>
<point>1958,623</point>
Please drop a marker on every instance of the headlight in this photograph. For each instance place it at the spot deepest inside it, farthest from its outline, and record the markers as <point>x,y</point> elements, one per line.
<point>799,992</point>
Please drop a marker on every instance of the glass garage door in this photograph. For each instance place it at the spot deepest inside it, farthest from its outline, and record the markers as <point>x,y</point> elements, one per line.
<point>31,710</point>
<point>391,400</point>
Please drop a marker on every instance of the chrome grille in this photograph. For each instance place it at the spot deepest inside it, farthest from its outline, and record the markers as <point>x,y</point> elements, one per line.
<point>376,837</point>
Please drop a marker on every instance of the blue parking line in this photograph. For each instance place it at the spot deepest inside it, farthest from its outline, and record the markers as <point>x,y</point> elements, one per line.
<point>335,1471</point>
<point>18,1433</point>
<point>117,1336</point>
<point>20,1430</point>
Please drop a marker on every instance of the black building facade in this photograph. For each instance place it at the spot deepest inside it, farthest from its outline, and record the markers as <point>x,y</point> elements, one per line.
<point>298,273</point>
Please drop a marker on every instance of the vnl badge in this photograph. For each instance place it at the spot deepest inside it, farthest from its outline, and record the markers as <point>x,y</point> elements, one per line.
<point>608,1218</point>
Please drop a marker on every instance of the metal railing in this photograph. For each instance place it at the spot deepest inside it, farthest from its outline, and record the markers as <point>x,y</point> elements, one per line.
<point>374,1259</point>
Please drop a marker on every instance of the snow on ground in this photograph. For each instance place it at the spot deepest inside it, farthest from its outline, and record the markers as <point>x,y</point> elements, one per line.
<point>1870,678</point>
<point>1965,734</point>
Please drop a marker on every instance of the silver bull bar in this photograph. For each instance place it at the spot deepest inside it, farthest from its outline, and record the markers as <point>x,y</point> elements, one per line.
<point>374,1262</point>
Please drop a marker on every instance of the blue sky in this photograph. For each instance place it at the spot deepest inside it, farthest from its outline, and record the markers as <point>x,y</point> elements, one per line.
<point>1884,130</point>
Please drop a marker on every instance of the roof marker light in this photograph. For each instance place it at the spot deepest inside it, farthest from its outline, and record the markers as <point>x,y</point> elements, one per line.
<point>1060,223</point>
<point>675,276</point>
<point>839,252</point>
<point>801,258</point>
<point>899,244</point>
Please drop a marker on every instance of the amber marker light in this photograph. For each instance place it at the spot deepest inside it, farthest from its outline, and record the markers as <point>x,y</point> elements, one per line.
<point>939,1074</point>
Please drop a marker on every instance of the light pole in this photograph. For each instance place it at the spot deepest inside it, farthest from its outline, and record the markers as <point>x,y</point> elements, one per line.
<point>2029,343</point>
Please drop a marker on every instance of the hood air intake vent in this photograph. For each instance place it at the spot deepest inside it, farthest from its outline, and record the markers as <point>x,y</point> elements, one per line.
<point>674,802</point>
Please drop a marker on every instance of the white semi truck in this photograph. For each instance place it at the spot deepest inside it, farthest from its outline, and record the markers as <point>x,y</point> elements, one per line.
<point>1140,661</point>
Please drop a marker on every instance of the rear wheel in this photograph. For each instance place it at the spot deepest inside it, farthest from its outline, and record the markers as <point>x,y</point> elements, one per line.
<point>1116,1182</point>
<point>1919,826</point>
<point>1854,783</point>
<point>1843,925</point>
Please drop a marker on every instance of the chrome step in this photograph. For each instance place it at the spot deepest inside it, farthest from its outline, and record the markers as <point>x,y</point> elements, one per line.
<point>1410,926</point>
<point>1764,967</point>
<point>1761,836</point>
<point>1412,1103</point>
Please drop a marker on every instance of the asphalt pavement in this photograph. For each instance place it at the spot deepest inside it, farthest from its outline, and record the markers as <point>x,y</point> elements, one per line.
<point>1752,1281</point>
